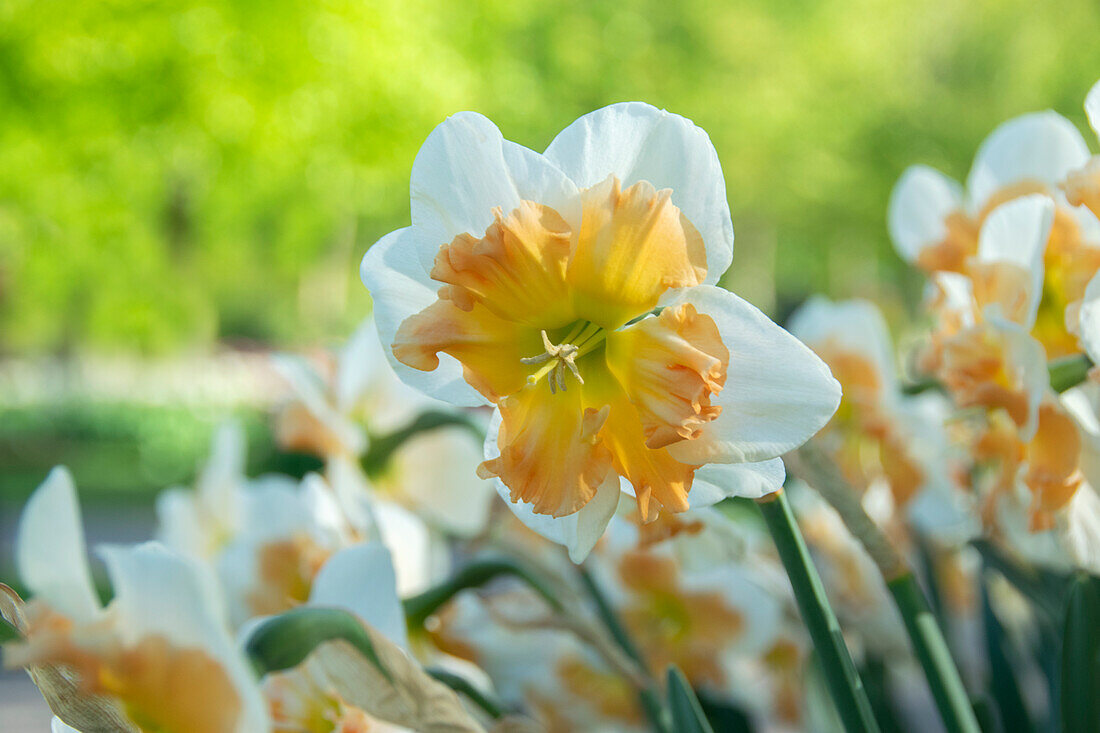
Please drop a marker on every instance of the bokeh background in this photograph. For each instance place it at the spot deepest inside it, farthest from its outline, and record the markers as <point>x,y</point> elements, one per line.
<point>186,186</point>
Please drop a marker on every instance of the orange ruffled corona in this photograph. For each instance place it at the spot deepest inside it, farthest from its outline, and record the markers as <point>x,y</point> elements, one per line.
<point>534,311</point>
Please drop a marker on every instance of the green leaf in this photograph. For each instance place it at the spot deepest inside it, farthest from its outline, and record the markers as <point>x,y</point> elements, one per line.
<point>284,641</point>
<point>1005,687</point>
<point>687,713</point>
<point>1080,647</point>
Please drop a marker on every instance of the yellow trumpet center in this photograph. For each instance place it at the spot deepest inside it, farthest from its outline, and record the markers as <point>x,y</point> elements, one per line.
<point>539,297</point>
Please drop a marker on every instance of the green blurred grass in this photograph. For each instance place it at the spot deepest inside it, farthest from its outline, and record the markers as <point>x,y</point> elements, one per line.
<point>121,452</point>
<point>172,173</point>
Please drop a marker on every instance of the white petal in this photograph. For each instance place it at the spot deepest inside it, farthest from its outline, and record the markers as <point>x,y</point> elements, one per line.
<point>958,294</point>
<point>761,611</point>
<point>1017,232</point>
<point>920,202</point>
<point>358,366</point>
<point>777,395</point>
<point>1089,320</point>
<point>273,508</point>
<point>857,326</point>
<point>158,593</point>
<point>1028,356</point>
<point>361,579</point>
<point>1092,107</point>
<point>365,382</point>
<point>466,168</point>
<point>223,472</point>
<point>716,481</point>
<point>310,390</point>
<point>578,532</point>
<point>437,471</point>
<point>1041,146</point>
<point>414,551</point>
<point>638,142</point>
<point>1080,527</point>
<point>394,273</point>
<point>49,549</point>
<point>178,524</point>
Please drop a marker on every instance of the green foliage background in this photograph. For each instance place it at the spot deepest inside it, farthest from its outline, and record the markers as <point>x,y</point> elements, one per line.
<point>172,173</point>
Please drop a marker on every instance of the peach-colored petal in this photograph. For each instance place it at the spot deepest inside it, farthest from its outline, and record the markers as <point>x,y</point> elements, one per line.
<point>1004,284</point>
<point>517,270</point>
<point>951,253</point>
<point>670,366</point>
<point>1053,475</point>
<point>551,452</point>
<point>1082,186</point>
<point>489,347</point>
<point>659,480</point>
<point>634,244</point>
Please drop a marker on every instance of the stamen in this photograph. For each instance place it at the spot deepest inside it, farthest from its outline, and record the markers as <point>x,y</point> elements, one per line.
<point>558,358</point>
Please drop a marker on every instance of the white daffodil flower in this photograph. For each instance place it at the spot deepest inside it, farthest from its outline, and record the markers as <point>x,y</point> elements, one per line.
<point>877,434</point>
<point>158,657</point>
<point>432,473</point>
<point>937,226</point>
<point>1082,186</point>
<point>267,538</point>
<point>934,222</point>
<point>574,291</point>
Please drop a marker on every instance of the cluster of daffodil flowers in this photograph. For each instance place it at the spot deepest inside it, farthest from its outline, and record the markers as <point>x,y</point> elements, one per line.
<point>551,469</point>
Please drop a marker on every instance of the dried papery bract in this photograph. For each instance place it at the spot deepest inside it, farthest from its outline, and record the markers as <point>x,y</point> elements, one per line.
<point>61,686</point>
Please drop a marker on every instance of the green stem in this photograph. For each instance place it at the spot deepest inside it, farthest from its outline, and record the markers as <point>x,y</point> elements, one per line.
<point>1068,371</point>
<point>650,703</point>
<point>462,686</point>
<point>843,681</point>
<point>924,633</point>
<point>384,446</point>
<point>420,607</point>
<point>935,657</point>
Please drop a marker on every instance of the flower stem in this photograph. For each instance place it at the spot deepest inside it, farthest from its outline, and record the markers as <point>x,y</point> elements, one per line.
<point>843,681</point>
<point>920,623</point>
<point>461,685</point>
<point>931,648</point>
<point>420,607</point>
<point>647,696</point>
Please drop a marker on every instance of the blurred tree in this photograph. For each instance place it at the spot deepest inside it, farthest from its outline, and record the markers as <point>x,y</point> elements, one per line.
<point>176,172</point>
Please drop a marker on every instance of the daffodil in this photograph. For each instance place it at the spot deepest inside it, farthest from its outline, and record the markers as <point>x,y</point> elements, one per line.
<point>574,291</point>
<point>1082,186</point>
<point>267,538</point>
<point>936,224</point>
<point>877,435</point>
<point>431,473</point>
<point>982,348</point>
<point>157,658</point>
